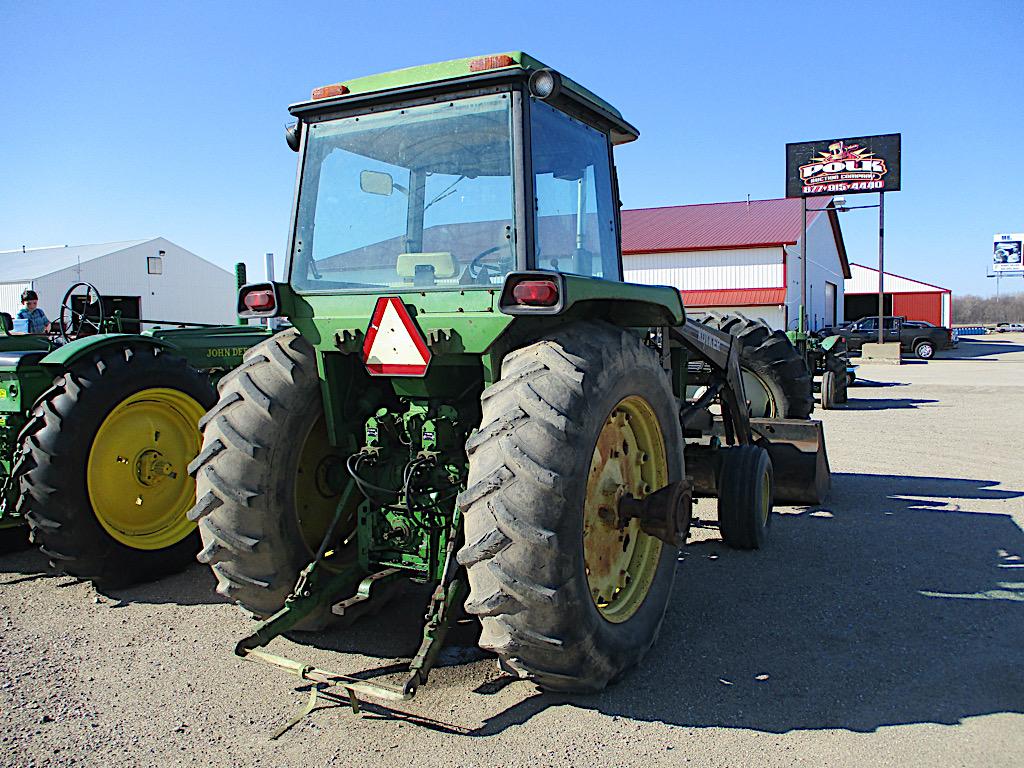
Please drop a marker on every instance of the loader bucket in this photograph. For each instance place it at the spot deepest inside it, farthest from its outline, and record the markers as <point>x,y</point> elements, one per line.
<point>797,450</point>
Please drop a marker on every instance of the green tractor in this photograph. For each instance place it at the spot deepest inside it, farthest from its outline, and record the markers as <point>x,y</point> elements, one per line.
<point>97,429</point>
<point>470,396</point>
<point>825,357</point>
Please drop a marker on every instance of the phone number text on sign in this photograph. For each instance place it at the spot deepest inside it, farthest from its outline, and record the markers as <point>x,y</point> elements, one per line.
<point>856,186</point>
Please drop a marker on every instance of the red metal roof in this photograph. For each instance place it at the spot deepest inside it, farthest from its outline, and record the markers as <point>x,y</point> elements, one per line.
<point>714,225</point>
<point>735,297</point>
<point>711,226</point>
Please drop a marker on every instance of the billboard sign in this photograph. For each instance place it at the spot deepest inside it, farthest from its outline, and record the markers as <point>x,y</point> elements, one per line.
<point>843,166</point>
<point>1006,253</point>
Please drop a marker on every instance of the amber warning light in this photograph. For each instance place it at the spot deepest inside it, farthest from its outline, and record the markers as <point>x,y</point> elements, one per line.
<point>329,91</point>
<point>491,62</point>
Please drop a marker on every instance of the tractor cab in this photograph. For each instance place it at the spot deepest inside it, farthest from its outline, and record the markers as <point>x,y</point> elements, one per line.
<point>452,176</point>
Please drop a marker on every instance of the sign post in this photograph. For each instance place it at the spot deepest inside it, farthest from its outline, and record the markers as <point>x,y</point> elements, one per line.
<point>881,267</point>
<point>848,166</point>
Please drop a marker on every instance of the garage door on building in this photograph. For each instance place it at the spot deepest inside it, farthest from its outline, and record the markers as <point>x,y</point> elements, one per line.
<point>919,306</point>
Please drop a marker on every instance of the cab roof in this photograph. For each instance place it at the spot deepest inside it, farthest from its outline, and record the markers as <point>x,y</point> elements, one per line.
<point>410,78</point>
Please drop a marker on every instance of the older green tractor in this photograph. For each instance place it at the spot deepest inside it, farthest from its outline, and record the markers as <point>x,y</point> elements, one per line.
<point>471,397</point>
<point>97,428</point>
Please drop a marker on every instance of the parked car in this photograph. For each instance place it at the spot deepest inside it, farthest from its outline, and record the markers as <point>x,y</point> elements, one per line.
<point>916,336</point>
<point>1010,328</point>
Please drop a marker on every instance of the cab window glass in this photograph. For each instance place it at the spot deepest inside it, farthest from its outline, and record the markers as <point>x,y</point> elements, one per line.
<point>574,212</point>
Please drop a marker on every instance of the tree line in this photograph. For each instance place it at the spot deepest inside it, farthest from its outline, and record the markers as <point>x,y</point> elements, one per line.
<point>969,309</point>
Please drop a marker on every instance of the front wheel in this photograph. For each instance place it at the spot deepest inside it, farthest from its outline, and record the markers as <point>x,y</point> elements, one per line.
<point>745,496</point>
<point>828,391</point>
<point>568,593</point>
<point>925,350</point>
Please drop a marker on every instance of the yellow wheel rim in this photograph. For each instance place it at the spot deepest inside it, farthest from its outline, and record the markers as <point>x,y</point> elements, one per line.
<point>137,471</point>
<point>762,401</point>
<point>629,458</point>
<point>319,481</point>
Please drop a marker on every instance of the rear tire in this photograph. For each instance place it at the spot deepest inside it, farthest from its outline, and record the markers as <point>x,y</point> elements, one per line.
<point>771,358</point>
<point>261,507</point>
<point>106,545</point>
<point>924,350</point>
<point>745,497</point>
<point>535,476</point>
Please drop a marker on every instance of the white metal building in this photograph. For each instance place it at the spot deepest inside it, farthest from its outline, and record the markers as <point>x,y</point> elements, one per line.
<point>903,296</point>
<point>741,256</point>
<point>152,279</point>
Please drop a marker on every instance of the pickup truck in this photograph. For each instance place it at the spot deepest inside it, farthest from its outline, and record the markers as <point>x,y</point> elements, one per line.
<point>920,338</point>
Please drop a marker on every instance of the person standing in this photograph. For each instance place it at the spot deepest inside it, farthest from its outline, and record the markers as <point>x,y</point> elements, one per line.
<point>38,322</point>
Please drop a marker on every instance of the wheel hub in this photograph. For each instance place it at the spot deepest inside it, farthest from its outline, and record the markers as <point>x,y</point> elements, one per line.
<point>151,469</point>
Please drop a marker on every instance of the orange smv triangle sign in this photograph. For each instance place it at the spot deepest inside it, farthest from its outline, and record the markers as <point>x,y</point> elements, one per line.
<point>394,344</point>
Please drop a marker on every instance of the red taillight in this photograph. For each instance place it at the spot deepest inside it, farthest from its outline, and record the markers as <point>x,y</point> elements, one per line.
<point>536,293</point>
<point>491,62</point>
<point>329,91</point>
<point>259,301</point>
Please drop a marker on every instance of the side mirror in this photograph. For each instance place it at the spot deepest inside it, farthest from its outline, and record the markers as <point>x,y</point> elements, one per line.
<point>293,135</point>
<point>376,183</point>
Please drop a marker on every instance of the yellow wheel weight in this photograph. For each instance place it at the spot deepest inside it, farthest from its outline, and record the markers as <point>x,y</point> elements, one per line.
<point>629,457</point>
<point>137,471</point>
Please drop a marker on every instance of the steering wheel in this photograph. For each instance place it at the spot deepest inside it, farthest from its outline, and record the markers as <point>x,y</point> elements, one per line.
<point>476,267</point>
<point>78,320</point>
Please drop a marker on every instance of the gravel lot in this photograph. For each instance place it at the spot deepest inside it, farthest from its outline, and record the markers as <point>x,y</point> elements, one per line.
<point>884,629</point>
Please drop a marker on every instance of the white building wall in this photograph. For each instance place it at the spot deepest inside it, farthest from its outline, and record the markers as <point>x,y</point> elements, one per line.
<point>823,265</point>
<point>10,297</point>
<point>865,280</point>
<point>707,270</point>
<point>190,289</point>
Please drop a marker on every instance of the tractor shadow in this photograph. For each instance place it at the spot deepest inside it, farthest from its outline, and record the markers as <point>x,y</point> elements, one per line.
<point>882,403</point>
<point>970,349</point>
<point>22,562</point>
<point>196,585</point>
<point>888,606</point>
<point>394,632</point>
<point>869,384</point>
<point>897,603</point>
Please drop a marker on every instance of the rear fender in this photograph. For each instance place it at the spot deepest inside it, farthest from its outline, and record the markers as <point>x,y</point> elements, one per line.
<point>623,304</point>
<point>62,357</point>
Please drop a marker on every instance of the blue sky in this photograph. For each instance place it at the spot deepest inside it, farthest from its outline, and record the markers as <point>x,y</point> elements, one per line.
<point>128,120</point>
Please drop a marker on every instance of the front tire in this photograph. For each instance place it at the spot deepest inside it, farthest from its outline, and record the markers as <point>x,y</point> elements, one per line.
<point>837,365</point>
<point>828,391</point>
<point>745,497</point>
<point>103,465</point>
<point>565,596</point>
